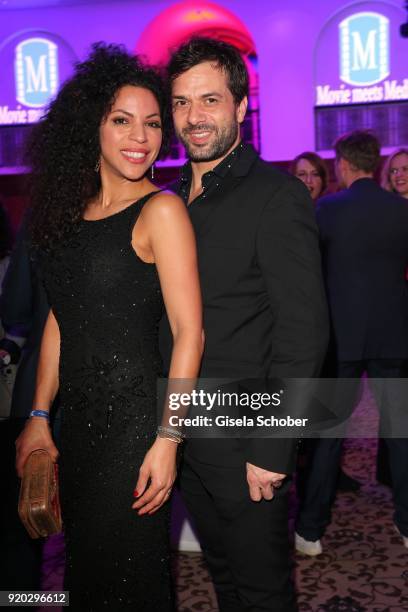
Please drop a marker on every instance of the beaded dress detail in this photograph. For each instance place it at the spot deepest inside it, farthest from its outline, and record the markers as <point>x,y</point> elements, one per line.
<point>108,305</point>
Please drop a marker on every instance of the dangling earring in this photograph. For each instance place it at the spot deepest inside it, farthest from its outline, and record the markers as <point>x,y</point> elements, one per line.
<point>97,166</point>
<point>152,171</point>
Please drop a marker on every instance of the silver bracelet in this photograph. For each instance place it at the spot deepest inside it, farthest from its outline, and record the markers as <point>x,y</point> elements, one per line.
<point>175,440</point>
<point>169,433</point>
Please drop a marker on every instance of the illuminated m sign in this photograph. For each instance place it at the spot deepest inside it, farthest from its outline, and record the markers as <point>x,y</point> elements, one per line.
<point>364,49</point>
<point>36,71</point>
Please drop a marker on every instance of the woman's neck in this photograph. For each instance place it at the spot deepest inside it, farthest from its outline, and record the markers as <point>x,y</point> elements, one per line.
<point>117,193</point>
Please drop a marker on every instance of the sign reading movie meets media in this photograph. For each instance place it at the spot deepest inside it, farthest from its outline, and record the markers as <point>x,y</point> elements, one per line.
<point>34,64</point>
<point>361,57</point>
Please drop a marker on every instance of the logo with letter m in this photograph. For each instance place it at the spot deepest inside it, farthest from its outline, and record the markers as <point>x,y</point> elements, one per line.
<point>36,70</point>
<point>364,49</point>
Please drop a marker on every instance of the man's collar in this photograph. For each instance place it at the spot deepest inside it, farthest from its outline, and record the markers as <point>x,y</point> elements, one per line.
<point>238,162</point>
<point>363,181</point>
<point>226,164</point>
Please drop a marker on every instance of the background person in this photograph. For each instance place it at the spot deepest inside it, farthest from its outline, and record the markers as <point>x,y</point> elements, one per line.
<point>395,173</point>
<point>311,169</point>
<point>6,341</point>
<point>364,233</point>
<point>394,177</point>
<point>24,310</point>
<point>9,345</point>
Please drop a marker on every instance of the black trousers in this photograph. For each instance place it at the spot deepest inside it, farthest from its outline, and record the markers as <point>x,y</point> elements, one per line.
<point>245,543</point>
<point>321,472</point>
<point>20,558</point>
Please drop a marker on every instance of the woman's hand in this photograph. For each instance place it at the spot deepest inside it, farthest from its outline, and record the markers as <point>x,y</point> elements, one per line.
<point>159,466</point>
<point>36,434</point>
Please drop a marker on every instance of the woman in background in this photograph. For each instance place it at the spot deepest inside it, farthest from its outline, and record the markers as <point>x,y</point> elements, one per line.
<point>114,247</point>
<point>9,348</point>
<point>395,173</point>
<point>311,169</point>
<point>6,241</point>
<point>394,177</point>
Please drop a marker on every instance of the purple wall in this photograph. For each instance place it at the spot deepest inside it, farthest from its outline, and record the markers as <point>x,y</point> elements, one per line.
<point>285,34</point>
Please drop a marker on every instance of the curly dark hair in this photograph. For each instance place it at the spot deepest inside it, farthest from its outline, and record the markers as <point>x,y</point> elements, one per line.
<point>64,147</point>
<point>6,233</point>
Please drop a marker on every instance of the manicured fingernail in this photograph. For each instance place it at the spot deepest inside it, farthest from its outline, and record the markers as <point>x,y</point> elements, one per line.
<point>135,493</point>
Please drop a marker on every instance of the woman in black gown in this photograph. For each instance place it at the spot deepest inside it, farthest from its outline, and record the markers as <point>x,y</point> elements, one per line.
<point>114,247</point>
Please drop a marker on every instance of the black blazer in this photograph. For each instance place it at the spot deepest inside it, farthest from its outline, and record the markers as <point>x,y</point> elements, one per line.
<point>364,234</point>
<point>265,309</point>
<point>24,306</point>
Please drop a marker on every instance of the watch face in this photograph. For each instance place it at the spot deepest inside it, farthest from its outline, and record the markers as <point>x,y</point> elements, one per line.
<point>5,358</point>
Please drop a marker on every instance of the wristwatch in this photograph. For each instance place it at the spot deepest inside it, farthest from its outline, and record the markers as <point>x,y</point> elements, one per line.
<point>12,349</point>
<point>6,358</point>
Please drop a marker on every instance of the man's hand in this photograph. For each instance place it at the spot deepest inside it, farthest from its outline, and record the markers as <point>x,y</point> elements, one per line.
<point>262,483</point>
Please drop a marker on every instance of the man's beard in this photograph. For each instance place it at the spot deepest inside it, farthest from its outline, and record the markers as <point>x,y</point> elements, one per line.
<point>217,148</point>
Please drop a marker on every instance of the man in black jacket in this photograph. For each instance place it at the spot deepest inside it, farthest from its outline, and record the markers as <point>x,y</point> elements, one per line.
<point>264,316</point>
<point>364,234</point>
<point>24,310</point>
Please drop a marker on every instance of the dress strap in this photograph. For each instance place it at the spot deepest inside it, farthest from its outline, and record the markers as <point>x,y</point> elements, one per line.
<point>136,208</point>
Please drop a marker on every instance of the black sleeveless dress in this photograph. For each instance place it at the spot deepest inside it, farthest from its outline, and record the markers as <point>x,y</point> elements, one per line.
<point>108,305</point>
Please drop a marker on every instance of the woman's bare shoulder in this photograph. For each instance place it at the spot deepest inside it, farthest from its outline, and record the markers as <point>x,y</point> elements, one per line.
<point>165,204</point>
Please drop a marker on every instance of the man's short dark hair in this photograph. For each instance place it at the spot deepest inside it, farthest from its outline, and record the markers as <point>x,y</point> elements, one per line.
<point>199,49</point>
<point>361,149</point>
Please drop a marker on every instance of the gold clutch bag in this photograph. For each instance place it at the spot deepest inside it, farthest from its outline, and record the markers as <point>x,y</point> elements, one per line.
<point>38,505</point>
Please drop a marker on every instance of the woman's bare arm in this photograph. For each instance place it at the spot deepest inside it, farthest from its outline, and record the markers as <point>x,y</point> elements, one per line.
<point>173,248</point>
<point>36,433</point>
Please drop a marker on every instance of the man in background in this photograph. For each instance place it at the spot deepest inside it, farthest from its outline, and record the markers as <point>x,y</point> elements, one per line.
<point>364,236</point>
<point>23,310</point>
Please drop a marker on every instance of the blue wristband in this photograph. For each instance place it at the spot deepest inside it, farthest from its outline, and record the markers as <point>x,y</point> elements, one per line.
<point>40,413</point>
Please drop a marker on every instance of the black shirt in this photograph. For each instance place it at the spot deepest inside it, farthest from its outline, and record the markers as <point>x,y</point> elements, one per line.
<point>211,179</point>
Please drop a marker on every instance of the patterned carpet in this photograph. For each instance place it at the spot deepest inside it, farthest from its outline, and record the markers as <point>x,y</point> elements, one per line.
<point>363,568</point>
